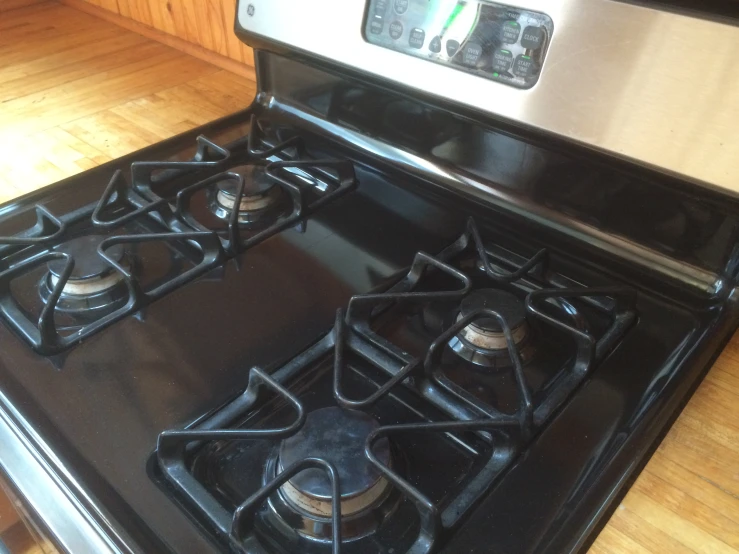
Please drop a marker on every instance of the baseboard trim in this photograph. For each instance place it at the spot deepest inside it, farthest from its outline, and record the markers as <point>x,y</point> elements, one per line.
<point>185,46</point>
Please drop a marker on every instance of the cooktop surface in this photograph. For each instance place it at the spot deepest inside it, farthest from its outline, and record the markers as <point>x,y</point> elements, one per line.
<point>265,345</point>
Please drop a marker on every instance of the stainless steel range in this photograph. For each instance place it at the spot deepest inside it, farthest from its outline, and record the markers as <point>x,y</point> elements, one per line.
<point>440,288</point>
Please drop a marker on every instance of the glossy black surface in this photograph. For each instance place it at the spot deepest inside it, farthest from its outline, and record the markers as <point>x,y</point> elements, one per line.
<point>98,409</point>
<point>164,217</point>
<point>519,173</point>
<point>410,325</point>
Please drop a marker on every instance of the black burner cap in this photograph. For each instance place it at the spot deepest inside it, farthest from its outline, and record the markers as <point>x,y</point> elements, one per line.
<point>256,181</point>
<point>87,262</point>
<point>338,436</point>
<point>508,305</point>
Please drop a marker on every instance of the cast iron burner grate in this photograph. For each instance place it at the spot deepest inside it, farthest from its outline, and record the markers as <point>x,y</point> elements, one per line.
<point>156,206</point>
<point>495,437</point>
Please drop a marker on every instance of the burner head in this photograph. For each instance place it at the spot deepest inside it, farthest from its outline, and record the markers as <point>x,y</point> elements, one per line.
<point>338,436</point>
<point>91,273</point>
<point>262,196</point>
<point>483,342</point>
<point>93,284</point>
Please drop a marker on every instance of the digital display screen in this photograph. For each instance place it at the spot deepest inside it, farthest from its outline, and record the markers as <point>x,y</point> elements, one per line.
<point>492,40</point>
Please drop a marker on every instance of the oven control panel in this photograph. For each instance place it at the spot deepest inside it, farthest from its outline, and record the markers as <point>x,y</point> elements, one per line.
<point>495,41</point>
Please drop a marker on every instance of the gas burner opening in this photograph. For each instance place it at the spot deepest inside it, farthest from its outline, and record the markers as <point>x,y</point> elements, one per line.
<point>483,342</point>
<point>93,285</point>
<point>263,198</point>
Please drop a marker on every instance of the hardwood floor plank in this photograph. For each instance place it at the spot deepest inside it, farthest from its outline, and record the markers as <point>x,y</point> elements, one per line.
<point>695,485</point>
<point>87,94</point>
<point>8,5</point>
<point>224,82</point>
<point>717,465</point>
<point>680,503</point>
<point>698,465</point>
<point>648,536</point>
<point>613,541</point>
<point>154,70</point>
<point>719,432</point>
<point>183,38</point>
<point>686,532</point>
<point>217,97</point>
<point>153,121</point>
<point>713,401</point>
<point>111,133</point>
<point>35,34</point>
<point>55,70</point>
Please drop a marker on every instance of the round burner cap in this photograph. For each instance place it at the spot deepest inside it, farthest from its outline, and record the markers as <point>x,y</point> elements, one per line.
<point>505,303</point>
<point>87,261</point>
<point>256,181</point>
<point>338,436</point>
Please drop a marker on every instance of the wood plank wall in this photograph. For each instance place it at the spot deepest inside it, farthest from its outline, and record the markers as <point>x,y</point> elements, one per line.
<point>205,23</point>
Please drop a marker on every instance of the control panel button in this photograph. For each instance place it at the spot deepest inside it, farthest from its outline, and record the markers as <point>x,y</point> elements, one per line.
<point>396,29</point>
<point>523,66</point>
<point>472,53</point>
<point>376,24</point>
<point>435,44</point>
<point>533,37</point>
<point>502,60</point>
<point>451,47</point>
<point>510,32</point>
<point>492,41</point>
<point>417,38</point>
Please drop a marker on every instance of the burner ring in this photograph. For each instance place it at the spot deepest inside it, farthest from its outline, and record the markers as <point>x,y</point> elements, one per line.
<point>483,341</point>
<point>290,518</point>
<point>338,436</point>
<point>303,504</point>
<point>88,263</point>
<point>262,197</point>
<point>87,287</point>
<point>226,198</point>
<point>320,507</point>
<point>490,340</point>
<point>93,285</point>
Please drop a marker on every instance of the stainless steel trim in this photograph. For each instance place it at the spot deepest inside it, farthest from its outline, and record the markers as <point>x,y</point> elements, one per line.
<point>71,528</point>
<point>650,260</point>
<point>654,87</point>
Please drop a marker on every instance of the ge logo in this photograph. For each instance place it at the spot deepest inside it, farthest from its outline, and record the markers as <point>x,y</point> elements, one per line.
<point>250,9</point>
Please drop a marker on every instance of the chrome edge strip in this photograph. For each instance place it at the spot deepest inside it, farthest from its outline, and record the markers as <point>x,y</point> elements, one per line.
<point>699,279</point>
<point>60,512</point>
<point>654,87</point>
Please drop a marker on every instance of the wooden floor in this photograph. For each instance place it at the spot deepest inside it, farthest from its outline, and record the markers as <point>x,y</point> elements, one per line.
<point>76,91</point>
<point>19,541</point>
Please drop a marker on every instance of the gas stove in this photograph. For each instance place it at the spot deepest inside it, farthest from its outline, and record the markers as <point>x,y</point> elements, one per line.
<point>360,317</point>
<point>71,275</point>
<point>383,435</point>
